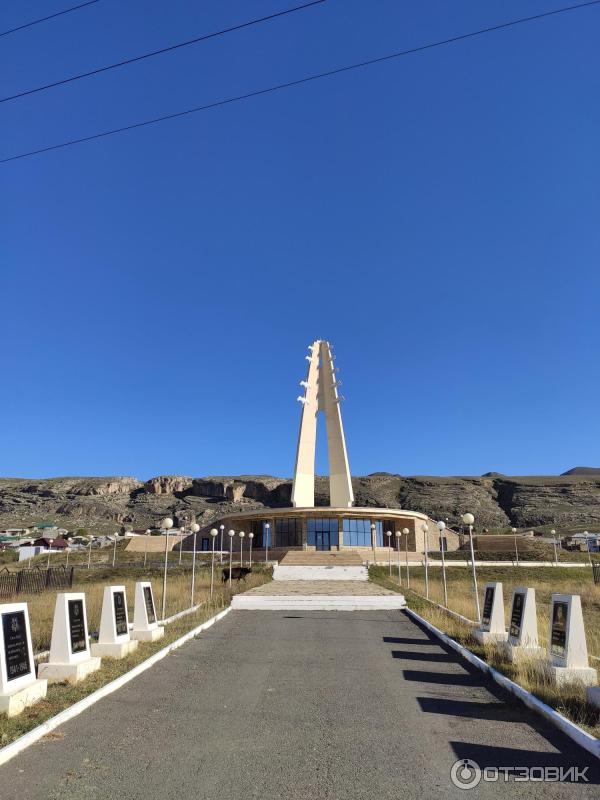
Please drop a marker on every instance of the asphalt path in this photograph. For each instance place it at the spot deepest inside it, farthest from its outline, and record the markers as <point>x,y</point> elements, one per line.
<point>313,705</point>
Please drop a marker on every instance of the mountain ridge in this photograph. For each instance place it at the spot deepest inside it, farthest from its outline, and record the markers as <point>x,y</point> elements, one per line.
<point>102,503</point>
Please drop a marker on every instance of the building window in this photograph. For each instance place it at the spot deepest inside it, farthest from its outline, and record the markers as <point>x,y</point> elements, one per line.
<point>288,532</point>
<point>322,533</point>
<point>357,532</point>
<point>205,545</point>
<point>262,535</point>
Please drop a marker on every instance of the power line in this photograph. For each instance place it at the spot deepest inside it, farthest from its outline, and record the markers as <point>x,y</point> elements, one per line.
<point>50,16</point>
<point>298,82</point>
<point>163,50</point>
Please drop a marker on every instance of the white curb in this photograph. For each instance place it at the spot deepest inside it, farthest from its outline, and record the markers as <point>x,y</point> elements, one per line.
<point>29,738</point>
<point>583,739</point>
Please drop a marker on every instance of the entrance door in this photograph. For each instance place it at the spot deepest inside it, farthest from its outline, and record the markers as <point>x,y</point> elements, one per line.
<point>323,540</point>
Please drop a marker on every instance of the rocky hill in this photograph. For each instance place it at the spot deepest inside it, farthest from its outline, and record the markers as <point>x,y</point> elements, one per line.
<point>105,504</point>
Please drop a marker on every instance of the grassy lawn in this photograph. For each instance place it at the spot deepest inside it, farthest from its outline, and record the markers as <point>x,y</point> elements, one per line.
<point>529,674</point>
<point>92,582</point>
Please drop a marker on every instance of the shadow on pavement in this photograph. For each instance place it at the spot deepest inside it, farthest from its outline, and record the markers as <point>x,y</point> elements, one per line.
<point>448,679</point>
<point>491,756</point>
<point>421,656</point>
<point>501,712</point>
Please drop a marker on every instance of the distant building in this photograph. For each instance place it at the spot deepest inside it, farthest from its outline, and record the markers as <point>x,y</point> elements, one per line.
<point>50,543</point>
<point>581,541</point>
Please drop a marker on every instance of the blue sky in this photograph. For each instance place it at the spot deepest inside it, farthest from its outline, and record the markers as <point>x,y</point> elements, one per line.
<point>435,218</point>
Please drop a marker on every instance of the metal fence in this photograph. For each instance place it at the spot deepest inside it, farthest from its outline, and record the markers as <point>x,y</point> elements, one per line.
<point>35,580</point>
<point>596,570</point>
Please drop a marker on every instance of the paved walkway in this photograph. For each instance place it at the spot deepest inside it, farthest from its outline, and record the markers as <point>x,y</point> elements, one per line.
<point>360,588</point>
<point>311,705</point>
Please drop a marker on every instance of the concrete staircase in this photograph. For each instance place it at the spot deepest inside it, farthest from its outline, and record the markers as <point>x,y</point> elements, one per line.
<point>316,602</point>
<point>320,566</point>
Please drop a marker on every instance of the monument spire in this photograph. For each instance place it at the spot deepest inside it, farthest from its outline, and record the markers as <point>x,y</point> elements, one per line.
<point>321,394</point>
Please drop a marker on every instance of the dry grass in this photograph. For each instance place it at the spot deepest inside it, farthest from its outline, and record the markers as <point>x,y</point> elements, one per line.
<point>545,580</point>
<point>530,674</point>
<point>92,582</point>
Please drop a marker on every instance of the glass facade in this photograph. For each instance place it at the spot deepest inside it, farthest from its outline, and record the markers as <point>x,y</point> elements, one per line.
<point>322,533</point>
<point>288,532</point>
<point>357,532</point>
<point>262,535</point>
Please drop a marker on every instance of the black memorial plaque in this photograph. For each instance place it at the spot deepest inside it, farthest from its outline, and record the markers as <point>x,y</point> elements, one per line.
<point>77,626</point>
<point>558,638</point>
<point>149,600</point>
<point>16,649</point>
<point>487,605</point>
<point>516,615</point>
<point>120,613</point>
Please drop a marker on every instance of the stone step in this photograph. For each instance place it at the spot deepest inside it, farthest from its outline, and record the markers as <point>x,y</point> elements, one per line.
<point>321,558</point>
<point>315,602</point>
<point>283,572</point>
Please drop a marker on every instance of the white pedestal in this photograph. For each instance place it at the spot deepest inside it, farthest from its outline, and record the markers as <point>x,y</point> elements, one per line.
<point>145,626</point>
<point>516,653</point>
<point>13,704</point>
<point>113,639</point>
<point>492,630</point>
<point>568,648</point>
<point>152,635</point>
<point>522,642</point>
<point>115,649</point>
<point>19,686</point>
<point>69,660</point>
<point>563,675</point>
<point>69,673</point>
<point>487,637</point>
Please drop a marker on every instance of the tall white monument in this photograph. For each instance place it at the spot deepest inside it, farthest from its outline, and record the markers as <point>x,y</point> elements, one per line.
<point>321,394</point>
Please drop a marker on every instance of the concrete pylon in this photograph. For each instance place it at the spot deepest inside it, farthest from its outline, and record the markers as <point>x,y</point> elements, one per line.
<point>321,394</point>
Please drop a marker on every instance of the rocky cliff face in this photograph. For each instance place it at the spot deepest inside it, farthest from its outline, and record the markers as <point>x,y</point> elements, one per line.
<point>100,504</point>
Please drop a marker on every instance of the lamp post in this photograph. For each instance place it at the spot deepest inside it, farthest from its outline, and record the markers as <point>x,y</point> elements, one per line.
<point>373,530</point>
<point>266,530</point>
<point>222,530</point>
<point>425,530</point>
<point>214,532</point>
<point>231,535</point>
<point>587,541</point>
<point>250,536</point>
<point>405,531</point>
<point>50,543</point>
<point>146,547</point>
<point>194,528</point>
<point>441,527</point>
<point>553,534</point>
<point>90,539</point>
<point>115,549</point>
<point>514,533</point>
<point>468,520</point>
<point>398,535</point>
<point>389,538</point>
<point>182,533</point>
<point>166,525</point>
<point>241,535</point>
